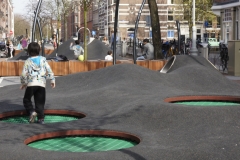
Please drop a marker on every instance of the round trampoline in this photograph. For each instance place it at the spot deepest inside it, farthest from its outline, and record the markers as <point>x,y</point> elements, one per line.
<point>82,141</point>
<point>205,100</point>
<point>51,116</point>
<point>82,144</point>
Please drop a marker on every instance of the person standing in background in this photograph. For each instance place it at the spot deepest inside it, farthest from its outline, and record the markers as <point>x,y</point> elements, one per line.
<point>112,39</point>
<point>105,41</point>
<point>24,42</point>
<point>54,41</point>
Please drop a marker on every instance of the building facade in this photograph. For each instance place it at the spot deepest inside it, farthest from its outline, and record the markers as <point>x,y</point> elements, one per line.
<point>6,19</point>
<point>229,12</point>
<point>102,14</point>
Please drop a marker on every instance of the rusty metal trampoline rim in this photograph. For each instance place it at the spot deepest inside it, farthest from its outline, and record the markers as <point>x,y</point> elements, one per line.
<point>202,98</point>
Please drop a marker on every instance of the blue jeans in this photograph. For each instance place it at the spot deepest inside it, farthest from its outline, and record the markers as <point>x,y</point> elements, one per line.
<point>141,58</point>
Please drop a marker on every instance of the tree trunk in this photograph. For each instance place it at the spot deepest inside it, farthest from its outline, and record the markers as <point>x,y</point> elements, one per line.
<point>156,33</point>
<point>65,28</point>
<point>85,31</point>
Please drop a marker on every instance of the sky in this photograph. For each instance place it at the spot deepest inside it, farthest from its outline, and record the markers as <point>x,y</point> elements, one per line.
<point>19,6</point>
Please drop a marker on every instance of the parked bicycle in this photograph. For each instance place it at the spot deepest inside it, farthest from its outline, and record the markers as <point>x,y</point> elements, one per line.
<point>166,50</point>
<point>223,57</point>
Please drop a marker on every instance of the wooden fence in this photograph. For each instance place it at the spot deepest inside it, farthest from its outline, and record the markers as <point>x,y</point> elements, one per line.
<point>14,68</point>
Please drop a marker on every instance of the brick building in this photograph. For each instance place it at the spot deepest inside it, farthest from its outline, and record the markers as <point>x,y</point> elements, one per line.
<point>101,17</point>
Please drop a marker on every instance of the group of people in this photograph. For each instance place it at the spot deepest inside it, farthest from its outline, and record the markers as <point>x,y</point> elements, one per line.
<point>147,50</point>
<point>36,71</point>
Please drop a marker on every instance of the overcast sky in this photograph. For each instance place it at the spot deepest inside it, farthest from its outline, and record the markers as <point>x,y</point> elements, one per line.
<point>19,6</point>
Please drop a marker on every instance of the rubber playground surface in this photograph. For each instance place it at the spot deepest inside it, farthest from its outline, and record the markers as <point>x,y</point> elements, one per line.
<point>131,99</point>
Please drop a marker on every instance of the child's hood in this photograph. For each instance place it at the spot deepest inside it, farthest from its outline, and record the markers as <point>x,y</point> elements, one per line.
<point>35,62</point>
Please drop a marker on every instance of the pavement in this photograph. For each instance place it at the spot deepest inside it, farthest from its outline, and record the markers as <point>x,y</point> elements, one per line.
<point>131,99</point>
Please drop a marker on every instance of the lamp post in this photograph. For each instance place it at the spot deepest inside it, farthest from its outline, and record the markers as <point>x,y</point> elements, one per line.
<point>193,50</point>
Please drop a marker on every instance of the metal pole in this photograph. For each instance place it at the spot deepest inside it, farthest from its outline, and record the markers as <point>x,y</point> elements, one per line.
<point>35,20</point>
<point>41,35</point>
<point>193,50</point>
<point>107,19</point>
<point>135,31</point>
<point>179,34</point>
<point>115,31</point>
<point>31,24</point>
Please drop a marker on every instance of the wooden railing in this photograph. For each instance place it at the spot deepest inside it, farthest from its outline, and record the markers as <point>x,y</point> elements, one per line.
<point>14,68</point>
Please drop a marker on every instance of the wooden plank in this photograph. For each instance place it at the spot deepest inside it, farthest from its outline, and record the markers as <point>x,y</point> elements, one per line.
<point>20,67</point>
<point>4,68</point>
<point>60,68</point>
<point>93,65</point>
<point>106,63</point>
<point>156,64</point>
<point>143,63</point>
<point>10,68</point>
<point>1,68</point>
<point>14,68</point>
<point>76,66</point>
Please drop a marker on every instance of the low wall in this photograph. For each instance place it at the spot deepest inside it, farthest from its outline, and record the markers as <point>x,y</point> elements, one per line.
<point>47,51</point>
<point>14,68</point>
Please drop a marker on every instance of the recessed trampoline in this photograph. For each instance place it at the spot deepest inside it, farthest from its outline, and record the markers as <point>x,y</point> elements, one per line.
<point>51,116</point>
<point>205,100</point>
<point>82,141</point>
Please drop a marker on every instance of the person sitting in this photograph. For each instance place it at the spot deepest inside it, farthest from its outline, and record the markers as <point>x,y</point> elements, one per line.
<point>109,56</point>
<point>105,41</point>
<point>148,51</point>
<point>78,50</point>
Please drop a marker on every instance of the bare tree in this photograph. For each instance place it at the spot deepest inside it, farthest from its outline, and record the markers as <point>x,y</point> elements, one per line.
<point>20,25</point>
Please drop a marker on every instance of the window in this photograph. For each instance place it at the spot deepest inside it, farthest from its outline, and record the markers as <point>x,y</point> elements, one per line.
<point>148,20</point>
<point>170,15</point>
<point>227,15</point>
<point>198,30</point>
<point>76,19</point>
<point>170,34</point>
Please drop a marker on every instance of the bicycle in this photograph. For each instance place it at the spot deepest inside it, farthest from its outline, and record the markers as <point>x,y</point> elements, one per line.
<point>166,50</point>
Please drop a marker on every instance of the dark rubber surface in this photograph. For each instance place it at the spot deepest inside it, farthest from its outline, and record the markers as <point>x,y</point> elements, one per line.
<point>130,98</point>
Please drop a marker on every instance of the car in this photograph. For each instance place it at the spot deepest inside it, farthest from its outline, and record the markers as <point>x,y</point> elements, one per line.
<point>2,45</point>
<point>213,42</point>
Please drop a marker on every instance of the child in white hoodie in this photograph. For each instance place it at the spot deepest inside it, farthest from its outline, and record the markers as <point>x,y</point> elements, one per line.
<point>34,74</point>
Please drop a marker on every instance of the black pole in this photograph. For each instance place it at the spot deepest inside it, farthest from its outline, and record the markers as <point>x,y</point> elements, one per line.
<point>41,36</point>
<point>179,40</point>
<point>35,20</point>
<point>26,32</point>
<point>57,38</point>
<point>135,31</point>
<point>115,31</point>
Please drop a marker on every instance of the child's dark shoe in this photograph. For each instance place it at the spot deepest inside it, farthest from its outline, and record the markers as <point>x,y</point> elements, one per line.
<point>40,121</point>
